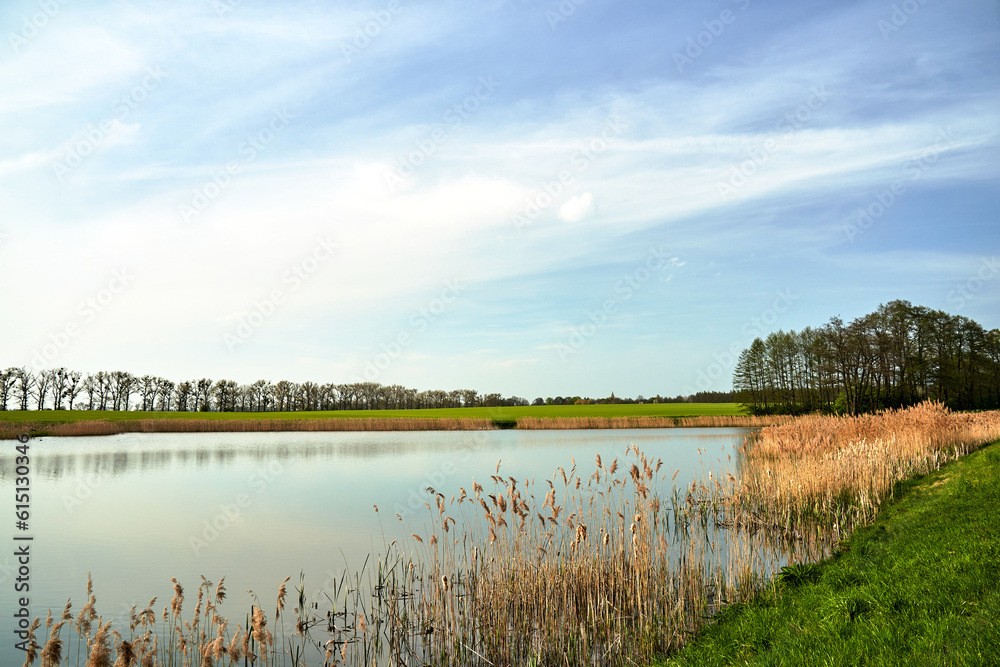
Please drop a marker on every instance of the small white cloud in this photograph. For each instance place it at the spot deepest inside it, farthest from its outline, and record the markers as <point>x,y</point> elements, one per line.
<point>577,208</point>
<point>121,133</point>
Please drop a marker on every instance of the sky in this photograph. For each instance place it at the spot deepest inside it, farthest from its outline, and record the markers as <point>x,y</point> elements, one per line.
<point>536,198</point>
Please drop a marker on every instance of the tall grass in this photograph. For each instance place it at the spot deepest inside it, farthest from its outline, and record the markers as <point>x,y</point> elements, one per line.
<point>838,470</point>
<point>650,421</point>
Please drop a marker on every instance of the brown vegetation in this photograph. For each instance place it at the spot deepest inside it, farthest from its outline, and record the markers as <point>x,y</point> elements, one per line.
<point>840,469</point>
<point>712,421</point>
<point>99,427</point>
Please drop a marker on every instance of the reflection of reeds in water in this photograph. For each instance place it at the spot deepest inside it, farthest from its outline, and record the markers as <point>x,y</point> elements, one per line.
<point>603,570</point>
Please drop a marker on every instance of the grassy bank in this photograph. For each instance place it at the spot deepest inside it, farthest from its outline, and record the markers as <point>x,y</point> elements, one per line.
<point>920,585</point>
<point>98,422</point>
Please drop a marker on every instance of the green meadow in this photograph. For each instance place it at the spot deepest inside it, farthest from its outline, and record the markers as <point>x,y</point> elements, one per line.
<point>673,410</point>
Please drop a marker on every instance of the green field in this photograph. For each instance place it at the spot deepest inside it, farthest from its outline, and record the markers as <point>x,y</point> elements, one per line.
<point>675,410</point>
<point>920,586</point>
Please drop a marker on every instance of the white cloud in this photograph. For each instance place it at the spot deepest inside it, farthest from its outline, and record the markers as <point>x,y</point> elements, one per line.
<point>577,208</point>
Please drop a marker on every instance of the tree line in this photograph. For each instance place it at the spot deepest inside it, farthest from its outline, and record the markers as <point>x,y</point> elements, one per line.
<point>897,356</point>
<point>63,389</point>
<point>23,389</point>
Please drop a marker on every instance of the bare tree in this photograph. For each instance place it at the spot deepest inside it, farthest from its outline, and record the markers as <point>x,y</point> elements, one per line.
<point>103,386</point>
<point>470,398</point>
<point>73,386</point>
<point>122,385</point>
<point>165,393</point>
<point>60,376</point>
<point>25,383</point>
<point>282,395</point>
<point>7,379</point>
<point>260,394</point>
<point>182,395</point>
<point>225,395</point>
<point>43,381</point>
<point>202,396</point>
<point>146,386</point>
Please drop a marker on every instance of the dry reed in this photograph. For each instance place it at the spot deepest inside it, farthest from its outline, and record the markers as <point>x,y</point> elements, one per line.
<point>10,430</point>
<point>840,469</point>
<point>650,421</point>
<point>102,427</point>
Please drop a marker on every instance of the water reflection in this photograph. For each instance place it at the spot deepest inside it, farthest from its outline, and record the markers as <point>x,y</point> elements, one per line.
<point>138,509</point>
<point>122,455</point>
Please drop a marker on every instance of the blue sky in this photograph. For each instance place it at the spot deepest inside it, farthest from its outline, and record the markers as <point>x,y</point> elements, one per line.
<point>535,198</point>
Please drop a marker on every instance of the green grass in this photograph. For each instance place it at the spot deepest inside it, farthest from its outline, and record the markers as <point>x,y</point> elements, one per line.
<point>920,586</point>
<point>676,410</point>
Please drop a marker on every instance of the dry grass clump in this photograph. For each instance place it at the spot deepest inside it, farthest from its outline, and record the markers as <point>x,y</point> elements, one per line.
<point>201,641</point>
<point>840,469</point>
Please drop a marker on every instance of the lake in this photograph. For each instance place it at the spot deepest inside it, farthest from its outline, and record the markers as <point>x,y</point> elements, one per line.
<point>135,510</point>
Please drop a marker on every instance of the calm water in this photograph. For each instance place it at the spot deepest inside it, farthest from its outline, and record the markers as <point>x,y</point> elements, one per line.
<point>137,509</point>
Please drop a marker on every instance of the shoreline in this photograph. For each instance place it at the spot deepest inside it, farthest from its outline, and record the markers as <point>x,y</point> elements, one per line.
<point>916,584</point>
<point>10,429</point>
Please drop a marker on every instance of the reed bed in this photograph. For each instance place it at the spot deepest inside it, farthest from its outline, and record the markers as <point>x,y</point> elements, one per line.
<point>838,470</point>
<point>148,638</point>
<point>101,427</point>
<point>602,570</point>
<point>10,430</point>
<point>702,421</point>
